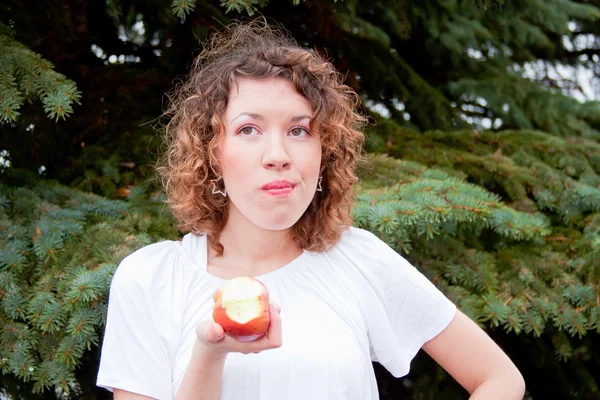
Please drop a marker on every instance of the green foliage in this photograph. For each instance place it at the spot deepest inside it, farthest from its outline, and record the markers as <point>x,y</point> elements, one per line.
<point>524,259</point>
<point>181,8</point>
<point>25,75</point>
<point>445,218</point>
<point>248,6</point>
<point>59,248</point>
<point>518,102</point>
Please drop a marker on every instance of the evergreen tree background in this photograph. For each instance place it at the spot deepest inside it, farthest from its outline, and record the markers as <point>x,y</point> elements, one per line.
<point>484,168</point>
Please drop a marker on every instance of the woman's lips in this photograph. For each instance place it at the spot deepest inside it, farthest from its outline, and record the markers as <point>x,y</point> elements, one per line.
<point>279,188</point>
<point>279,192</point>
<point>278,185</point>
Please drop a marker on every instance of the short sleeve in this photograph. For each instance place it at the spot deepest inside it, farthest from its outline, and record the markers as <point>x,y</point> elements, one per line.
<point>134,356</point>
<point>403,309</point>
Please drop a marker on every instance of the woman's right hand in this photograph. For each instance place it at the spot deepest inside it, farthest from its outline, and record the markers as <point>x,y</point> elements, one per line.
<point>215,342</point>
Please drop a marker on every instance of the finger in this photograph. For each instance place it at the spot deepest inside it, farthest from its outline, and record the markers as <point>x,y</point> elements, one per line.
<point>271,337</point>
<point>277,307</point>
<point>274,332</point>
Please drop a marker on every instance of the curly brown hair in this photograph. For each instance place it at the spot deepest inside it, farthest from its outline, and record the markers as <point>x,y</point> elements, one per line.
<point>190,160</point>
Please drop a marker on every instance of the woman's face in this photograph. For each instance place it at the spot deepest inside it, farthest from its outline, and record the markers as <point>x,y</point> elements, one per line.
<point>270,160</point>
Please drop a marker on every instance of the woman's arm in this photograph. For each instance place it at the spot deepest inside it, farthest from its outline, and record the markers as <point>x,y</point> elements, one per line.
<point>203,377</point>
<point>477,363</point>
<point>119,394</point>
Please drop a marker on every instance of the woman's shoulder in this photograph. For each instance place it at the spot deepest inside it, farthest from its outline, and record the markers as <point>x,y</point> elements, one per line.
<point>356,233</point>
<point>157,262</point>
<point>362,240</point>
<point>370,254</point>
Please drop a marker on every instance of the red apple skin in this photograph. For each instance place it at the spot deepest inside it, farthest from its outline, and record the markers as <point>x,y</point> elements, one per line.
<point>249,331</point>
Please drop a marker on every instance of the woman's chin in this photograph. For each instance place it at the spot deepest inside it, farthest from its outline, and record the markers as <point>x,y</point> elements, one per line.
<point>277,223</point>
<point>277,219</point>
<point>278,226</point>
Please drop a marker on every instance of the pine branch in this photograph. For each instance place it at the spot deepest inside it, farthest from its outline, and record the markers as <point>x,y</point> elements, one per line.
<point>523,288</point>
<point>25,75</point>
<point>67,245</point>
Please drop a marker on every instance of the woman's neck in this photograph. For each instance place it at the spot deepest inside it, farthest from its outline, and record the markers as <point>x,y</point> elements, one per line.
<point>253,249</point>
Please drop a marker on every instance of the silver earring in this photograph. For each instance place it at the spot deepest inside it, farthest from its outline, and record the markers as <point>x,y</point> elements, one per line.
<point>319,188</point>
<point>215,190</point>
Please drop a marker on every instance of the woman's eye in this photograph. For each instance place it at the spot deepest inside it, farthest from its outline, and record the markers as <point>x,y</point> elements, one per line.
<point>247,130</point>
<point>298,131</point>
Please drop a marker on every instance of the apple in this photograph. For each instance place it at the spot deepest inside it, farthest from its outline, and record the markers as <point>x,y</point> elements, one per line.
<point>242,308</point>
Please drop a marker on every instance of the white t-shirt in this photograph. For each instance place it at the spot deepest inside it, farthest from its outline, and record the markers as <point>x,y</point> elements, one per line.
<point>342,309</point>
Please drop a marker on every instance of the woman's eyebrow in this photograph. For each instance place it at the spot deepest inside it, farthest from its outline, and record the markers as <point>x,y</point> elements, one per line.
<point>251,115</point>
<point>261,118</point>
<point>300,118</point>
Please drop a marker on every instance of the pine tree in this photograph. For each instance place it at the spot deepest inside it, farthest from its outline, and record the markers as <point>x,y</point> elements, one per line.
<point>485,178</point>
<point>25,75</point>
<point>58,251</point>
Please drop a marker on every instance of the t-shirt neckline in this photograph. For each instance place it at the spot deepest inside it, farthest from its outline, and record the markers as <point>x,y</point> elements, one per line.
<point>284,269</point>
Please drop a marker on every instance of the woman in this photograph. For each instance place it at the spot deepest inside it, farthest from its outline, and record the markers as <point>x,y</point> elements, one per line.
<point>259,168</point>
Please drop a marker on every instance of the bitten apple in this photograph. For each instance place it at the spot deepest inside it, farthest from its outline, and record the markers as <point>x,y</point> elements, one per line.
<point>242,308</point>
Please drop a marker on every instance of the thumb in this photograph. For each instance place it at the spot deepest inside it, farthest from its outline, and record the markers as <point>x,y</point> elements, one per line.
<point>215,333</point>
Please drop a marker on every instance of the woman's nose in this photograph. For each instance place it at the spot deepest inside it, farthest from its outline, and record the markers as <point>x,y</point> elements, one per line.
<point>276,155</point>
